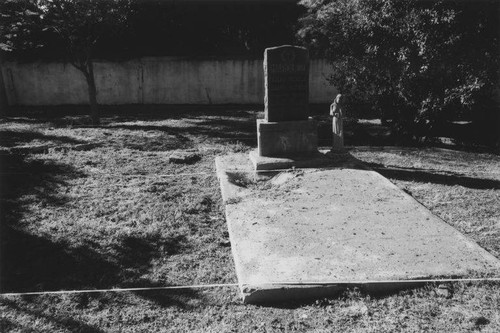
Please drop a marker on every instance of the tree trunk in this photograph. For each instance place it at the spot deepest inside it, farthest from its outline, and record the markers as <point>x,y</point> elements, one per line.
<point>94,109</point>
<point>3,95</point>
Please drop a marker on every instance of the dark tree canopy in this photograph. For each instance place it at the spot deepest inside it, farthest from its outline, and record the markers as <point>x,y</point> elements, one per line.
<point>213,27</point>
<point>418,62</point>
<point>172,28</point>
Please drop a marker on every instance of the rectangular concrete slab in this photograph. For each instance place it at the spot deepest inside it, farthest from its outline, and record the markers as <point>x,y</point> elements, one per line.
<point>309,232</point>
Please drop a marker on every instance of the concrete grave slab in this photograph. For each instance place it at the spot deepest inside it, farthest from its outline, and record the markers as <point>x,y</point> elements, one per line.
<point>310,232</point>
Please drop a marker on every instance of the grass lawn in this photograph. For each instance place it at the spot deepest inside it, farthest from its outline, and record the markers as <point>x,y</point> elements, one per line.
<point>95,208</point>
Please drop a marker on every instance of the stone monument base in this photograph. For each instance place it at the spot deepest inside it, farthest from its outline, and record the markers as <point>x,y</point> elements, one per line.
<point>338,152</point>
<point>287,138</point>
<point>312,160</point>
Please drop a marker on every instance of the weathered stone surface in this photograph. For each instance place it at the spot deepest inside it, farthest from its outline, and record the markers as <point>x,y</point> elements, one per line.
<point>286,75</point>
<point>315,160</point>
<point>319,231</point>
<point>444,291</point>
<point>181,157</point>
<point>337,112</point>
<point>287,138</point>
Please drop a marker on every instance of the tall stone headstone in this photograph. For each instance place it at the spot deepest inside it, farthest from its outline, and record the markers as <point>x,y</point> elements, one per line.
<point>287,130</point>
<point>286,75</point>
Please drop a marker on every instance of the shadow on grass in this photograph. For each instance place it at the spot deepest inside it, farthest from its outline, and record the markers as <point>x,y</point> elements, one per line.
<point>59,320</point>
<point>352,292</point>
<point>223,129</point>
<point>165,142</point>
<point>136,253</point>
<point>10,138</point>
<point>167,298</point>
<point>36,261</point>
<point>130,112</point>
<point>29,261</point>
<point>32,263</point>
<point>363,133</point>
<point>75,116</point>
<point>423,176</point>
<point>226,123</point>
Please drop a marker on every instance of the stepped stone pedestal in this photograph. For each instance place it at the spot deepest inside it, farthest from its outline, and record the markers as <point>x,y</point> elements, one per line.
<point>287,137</point>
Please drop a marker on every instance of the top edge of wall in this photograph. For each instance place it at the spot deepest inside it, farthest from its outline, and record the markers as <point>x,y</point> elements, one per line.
<point>155,58</point>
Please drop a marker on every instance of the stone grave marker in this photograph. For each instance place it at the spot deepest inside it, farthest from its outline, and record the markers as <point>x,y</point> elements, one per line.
<point>287,130</point>
<point>286,75</point>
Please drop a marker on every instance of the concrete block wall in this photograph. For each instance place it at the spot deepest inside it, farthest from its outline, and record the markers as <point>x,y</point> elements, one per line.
<point>162,80</point>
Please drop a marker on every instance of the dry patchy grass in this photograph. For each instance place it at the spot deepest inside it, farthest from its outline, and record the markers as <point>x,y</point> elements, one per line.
<point>87,208</point>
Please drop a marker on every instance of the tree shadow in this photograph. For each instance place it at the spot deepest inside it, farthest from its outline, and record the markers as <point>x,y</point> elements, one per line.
<point>151,112</point>
<point>222,129</point>
<point>34,261</point>
<point>60,320</point>
<point>168,140</point>
<point>181,141</point>
<point>31,262</point>
<point>135,254</point>
<point>357,133</point>
<point>179,298</point>
<point>64,115</point>
<point>427,176</point>
<point>10,138</point>
<point>42,179</point>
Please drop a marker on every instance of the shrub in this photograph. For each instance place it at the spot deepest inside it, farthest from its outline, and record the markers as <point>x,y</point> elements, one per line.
<point>420,63</point>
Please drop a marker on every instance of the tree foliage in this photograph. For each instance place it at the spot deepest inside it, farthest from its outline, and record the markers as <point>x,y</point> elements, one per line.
<point>173,28</point>
<point>75,26</point>
<point>213,28</point>
<point>16,28</point>
<point>418,62</point>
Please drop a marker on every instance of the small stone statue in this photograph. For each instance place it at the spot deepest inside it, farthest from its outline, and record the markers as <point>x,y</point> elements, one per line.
<point>337,112</point>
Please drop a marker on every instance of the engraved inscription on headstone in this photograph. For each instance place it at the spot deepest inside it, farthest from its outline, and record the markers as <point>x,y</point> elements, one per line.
<point>286,73</point>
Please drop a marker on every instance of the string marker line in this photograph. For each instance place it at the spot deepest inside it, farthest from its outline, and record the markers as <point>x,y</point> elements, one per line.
<point>89,291</point>
<point>271,284</point>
